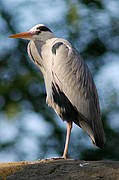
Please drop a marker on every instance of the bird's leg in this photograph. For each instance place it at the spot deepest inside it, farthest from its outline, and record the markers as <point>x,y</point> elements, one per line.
<point>69,127</point>
<point>65,153</point>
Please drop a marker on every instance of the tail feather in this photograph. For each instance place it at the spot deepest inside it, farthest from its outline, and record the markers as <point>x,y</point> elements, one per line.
<point>99,137</point>
<point>94,129</point>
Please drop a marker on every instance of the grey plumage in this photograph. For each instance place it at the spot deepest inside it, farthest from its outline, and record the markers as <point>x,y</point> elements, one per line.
<point>71,91</point>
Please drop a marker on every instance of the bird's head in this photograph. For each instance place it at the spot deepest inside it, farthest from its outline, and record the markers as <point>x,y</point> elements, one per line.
<point>39,32</point>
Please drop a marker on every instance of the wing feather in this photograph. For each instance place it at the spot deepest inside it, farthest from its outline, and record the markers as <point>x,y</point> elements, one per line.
<point>75,80</point>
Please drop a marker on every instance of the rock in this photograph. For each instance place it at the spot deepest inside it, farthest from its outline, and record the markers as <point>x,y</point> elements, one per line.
<point>60,169</point>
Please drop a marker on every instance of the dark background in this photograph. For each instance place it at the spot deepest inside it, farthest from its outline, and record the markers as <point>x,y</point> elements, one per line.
<point>29,129</point>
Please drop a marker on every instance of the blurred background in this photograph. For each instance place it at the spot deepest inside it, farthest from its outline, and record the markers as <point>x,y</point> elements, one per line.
<point>29,129</point>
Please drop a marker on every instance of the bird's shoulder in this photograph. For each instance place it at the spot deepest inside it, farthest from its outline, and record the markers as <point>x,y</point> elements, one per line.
<point>67,62</point>
<point>60,44</point>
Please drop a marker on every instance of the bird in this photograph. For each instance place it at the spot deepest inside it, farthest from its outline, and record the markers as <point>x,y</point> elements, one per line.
<point>70,88</point>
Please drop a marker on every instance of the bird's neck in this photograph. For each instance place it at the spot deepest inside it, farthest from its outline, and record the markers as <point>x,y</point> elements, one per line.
<point>48,36</point>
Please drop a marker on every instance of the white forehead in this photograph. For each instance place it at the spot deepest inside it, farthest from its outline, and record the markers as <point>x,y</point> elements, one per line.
<point>34,27</point>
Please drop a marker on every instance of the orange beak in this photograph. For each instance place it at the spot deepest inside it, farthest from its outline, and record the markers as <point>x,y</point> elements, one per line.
<point>23,35</point>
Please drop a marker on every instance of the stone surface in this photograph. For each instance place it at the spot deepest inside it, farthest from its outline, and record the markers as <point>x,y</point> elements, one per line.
<point>60,169</point>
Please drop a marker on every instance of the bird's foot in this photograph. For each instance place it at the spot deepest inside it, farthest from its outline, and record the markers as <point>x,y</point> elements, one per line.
<point>53,159</point>
<point>64,157</point>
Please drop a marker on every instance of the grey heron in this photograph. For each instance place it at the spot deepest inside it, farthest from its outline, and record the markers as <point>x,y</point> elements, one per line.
<point>70,89</point>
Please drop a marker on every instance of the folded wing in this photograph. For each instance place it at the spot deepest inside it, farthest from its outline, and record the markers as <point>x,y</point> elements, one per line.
<point>75,81</point>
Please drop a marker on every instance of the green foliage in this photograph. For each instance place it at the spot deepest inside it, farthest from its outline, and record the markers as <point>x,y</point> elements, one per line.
<point>93,3</point>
